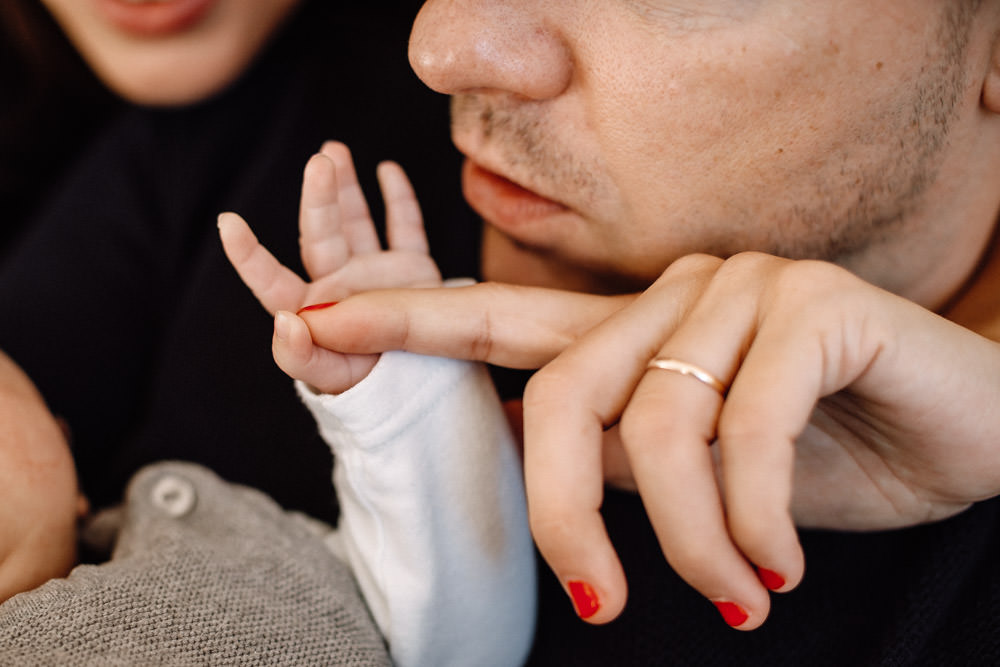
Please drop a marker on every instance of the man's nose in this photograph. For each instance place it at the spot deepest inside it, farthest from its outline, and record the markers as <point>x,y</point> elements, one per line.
<point>460,46</point>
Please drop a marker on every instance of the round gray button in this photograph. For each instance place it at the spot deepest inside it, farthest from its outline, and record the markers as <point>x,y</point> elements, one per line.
<point>175,496</point>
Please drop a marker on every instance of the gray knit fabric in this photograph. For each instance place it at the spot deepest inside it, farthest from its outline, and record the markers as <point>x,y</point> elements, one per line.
<point>203,573</point>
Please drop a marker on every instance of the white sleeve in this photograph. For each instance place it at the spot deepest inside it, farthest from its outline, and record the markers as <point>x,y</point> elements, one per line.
<point>433,518</point>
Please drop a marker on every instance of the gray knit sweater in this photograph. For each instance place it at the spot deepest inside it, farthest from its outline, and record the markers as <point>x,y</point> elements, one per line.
<point>201,573</point>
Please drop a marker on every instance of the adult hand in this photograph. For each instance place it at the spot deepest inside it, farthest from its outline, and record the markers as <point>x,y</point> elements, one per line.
<point>882,412</point>
<point>41,503</point>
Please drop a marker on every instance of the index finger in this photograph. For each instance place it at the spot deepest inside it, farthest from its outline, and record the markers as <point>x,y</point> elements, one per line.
<point>506,325</point>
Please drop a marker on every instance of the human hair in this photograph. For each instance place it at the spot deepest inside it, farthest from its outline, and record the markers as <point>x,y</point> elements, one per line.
<point>954,36</point>
<point>956,25</point>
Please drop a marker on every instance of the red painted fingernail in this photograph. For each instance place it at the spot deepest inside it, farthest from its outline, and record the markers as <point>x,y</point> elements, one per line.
<point>770,578</point>
<point>317,306</point>
<point>584,598</point>
<point>732,613</point>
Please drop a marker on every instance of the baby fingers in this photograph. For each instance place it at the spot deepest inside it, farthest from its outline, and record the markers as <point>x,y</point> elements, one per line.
<point>275,286</point>
<point>322,241</point>
<point>352,207</point>
<point>326,371</point>
<point>404,222</point>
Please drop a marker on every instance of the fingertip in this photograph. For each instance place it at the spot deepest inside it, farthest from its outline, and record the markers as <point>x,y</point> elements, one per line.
<point>292,343</point>
<point>733,614</point>
<point>740,615</point>
<point>773,581</point>
<point>238,240</point>
<point>770,543</point>
<point>335,150</point>
<point>319,169</point>
<point>738,595</point>
<point>594,603</point>
<point>394,182</point>
<point>783,578</point>
<point>227,221</point>
<point>282,325</point>
<point>586,602</point>
<point>387,167</point>
<point>583,560</point>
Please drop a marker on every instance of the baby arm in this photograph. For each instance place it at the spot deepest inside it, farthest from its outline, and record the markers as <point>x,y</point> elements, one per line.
<point>433,518</point>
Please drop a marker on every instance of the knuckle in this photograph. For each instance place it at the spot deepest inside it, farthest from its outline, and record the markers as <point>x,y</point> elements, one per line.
<point>485,333</point>
<point>813,281</point>
<point>695,263</point>
<point>549,387</point>
<point>743,267</point>
<point>749,435</point>
<point>404,328</point>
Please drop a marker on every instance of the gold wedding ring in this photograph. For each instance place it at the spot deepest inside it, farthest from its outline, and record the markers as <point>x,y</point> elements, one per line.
<point>684,368</point>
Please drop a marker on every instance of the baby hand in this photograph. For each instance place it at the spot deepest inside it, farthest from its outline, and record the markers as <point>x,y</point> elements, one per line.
<point>342,256</point>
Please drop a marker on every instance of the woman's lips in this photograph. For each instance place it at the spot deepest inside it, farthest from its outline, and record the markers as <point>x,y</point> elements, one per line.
<point>154,18</point>
<point>503,203</point>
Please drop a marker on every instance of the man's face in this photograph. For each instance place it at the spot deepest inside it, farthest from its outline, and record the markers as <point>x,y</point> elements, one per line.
<point>606,138</point>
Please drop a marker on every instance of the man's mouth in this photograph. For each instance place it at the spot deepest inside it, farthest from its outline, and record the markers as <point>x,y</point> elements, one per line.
<point>504,203</point>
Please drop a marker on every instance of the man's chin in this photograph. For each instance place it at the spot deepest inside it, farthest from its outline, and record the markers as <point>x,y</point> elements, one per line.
<point>507,260</point>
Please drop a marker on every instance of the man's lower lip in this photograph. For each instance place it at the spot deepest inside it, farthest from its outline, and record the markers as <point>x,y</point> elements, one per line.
<point>154,18</point>
<point>502,202</point>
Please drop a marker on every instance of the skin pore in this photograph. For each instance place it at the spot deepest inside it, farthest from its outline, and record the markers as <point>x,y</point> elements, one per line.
<point>840,132</point>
